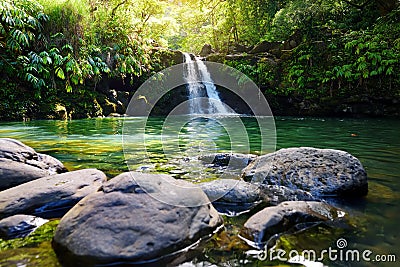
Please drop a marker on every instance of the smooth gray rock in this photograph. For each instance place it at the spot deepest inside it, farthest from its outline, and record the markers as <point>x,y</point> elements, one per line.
<point>51,196</point>
<point>15,150</point>
<point>13,173</point>
<point>123,223</point>
<point>232,197</point>
<point>20,163</point>
<point>322,172</point>
<point>232,191</point>
<point>288,216</point>
<point>19,226</point>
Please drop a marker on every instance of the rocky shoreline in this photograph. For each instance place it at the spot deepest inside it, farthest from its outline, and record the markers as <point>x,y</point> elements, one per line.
<point>142,217</point>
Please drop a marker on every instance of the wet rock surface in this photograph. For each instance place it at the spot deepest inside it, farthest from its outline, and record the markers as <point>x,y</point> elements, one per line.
<point>321,172</point>
<point>275,194</point>
<point>20,163</point>
<point>288,216</point>
<point>19,226</point>
<point>232,191</point>
<point>51,196</point>
<point>123,223</point>
<point>232,197</point>
<point>234,161</point>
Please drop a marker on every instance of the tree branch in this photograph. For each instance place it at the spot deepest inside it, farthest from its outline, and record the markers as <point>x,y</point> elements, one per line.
<point>116,7</point>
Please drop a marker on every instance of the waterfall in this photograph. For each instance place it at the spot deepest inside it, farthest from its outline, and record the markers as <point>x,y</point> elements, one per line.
<point>200,86</point>
<point>194,87</point>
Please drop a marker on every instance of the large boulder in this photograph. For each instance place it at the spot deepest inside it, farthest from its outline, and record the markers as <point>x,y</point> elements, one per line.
<point>51,196</point>
<point>290,215</point>
<point>322,172</point>
<point>20,163</point>
<point>18,226</point>
<point>125,221</point>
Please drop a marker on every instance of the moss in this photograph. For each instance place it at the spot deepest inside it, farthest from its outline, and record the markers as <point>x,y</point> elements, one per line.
<point>316,238</point>
<point>33,250</point>
<point>32,257</point>
<point>42,234</point>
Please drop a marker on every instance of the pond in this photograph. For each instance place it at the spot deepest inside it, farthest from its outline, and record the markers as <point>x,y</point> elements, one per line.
<point>98,143</point>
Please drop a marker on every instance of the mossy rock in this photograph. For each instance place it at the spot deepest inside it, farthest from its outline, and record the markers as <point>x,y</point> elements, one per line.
<point>42,234</point>
<point>219,58</point>
<point>35,250</point>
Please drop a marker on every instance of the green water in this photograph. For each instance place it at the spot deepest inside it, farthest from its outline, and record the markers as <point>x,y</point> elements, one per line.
<point>97,143</point>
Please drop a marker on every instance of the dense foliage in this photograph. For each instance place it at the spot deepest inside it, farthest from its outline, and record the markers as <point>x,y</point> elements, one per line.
<point>345,48</point>
<point>56,52</point>
<point>65,53</point>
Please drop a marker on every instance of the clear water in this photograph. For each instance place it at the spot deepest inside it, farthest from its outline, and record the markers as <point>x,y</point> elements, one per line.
<point>97,143</point>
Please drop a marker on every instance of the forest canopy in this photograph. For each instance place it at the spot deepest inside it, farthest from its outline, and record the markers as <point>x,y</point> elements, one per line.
<point>58,52</point>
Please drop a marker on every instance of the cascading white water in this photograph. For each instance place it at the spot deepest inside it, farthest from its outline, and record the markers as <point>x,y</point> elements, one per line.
<point>215,106</point>
<point>194,87</point>
<point>197,71</point>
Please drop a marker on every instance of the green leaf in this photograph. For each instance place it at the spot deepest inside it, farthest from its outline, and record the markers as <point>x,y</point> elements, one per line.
<point>75,79</point>
<point>47,60</point>
<point>389,71</point>
<point>57,35</point>
<point>60,73</point>
<point>67,47</point>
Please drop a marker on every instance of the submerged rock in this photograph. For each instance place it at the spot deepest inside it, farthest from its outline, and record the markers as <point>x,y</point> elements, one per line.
<point>125,222</point>
<point>52,196</point>
<point>18,226</point>
<point>322,172</point>
<point>20,163</point>
<point>287,216</point>
<point>234,161</point>
<point>232,197</point>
